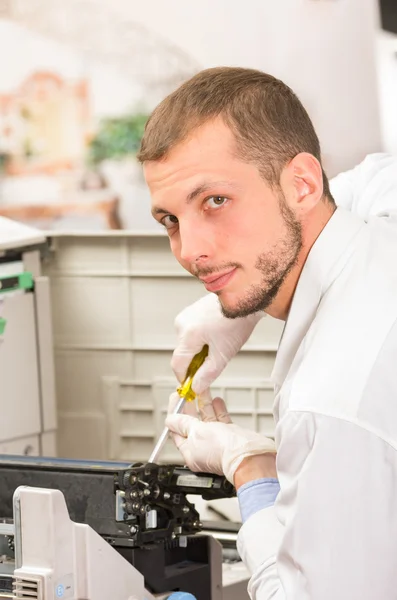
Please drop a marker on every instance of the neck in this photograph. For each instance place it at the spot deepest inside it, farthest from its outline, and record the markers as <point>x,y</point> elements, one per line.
<point>311,229</point>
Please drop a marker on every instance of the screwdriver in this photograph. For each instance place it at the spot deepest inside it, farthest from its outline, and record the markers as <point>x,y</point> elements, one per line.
<point>186,394</point>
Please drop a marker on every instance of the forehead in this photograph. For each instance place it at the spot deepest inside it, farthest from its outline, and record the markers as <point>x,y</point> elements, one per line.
<point>210,150</point>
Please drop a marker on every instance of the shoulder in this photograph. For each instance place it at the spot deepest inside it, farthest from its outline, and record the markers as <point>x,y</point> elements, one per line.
<point>351,346</point>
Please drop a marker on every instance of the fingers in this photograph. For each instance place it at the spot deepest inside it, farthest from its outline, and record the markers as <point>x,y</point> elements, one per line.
<point>178,441</point>
<point>180,427</point>
<point>182,445</point>
<point>207,373</point>
<point>206,410</point>
<point>180,424</point>
<point>183,355</point>
<point>213,410</point>
<point>221,411</point>
<point>189,408</point>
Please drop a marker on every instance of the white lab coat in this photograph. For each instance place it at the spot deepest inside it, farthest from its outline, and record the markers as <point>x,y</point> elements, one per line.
<point>332,534</point>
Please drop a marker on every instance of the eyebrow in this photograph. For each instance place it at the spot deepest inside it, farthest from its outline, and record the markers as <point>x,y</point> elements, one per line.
<point>200,189</point>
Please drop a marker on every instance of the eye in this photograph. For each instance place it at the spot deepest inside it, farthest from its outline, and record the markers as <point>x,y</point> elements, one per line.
<point>169,221</point>
<point>216,201</point>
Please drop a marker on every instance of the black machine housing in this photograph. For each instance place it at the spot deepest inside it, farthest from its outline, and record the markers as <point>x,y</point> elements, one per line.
<point>152,499</point>
<point>140,509</point>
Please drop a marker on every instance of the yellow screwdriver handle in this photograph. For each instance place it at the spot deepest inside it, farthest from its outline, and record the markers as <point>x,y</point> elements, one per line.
<point>185,390</point>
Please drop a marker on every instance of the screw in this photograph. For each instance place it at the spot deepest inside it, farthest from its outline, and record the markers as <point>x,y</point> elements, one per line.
<point>142,510</point>
<point>146,492</point>
<point>136,506</point>
<point>185,509</point>
<point>134,494</point>
<point>173,536</point>
<point>167,496</point>
<point>133,530</point>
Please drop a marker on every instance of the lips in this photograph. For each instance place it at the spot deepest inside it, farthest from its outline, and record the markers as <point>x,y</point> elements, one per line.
<point>215,282</point>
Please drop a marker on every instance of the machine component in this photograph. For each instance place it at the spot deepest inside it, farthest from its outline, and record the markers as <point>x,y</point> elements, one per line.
<point>152,499</point>
<point>3,323</point>
<point>22,281</point>
<point>57,558</point>
<point>186,394</point>
<point>25,338</point>
<point>151,552</point>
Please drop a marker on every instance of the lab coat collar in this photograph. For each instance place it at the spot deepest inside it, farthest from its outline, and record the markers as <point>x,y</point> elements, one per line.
<point>325,261</point>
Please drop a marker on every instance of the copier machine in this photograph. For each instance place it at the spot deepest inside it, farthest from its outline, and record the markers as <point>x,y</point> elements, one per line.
<point>112,531</point>
<point>90,530</point>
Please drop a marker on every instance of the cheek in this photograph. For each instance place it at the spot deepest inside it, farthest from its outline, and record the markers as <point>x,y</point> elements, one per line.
<point>253,235</point>
<point>243,235</point>
<point>259,227</point>
<point>175,245</point>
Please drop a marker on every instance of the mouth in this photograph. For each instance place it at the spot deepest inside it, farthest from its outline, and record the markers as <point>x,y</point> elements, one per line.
<point>215,282</point>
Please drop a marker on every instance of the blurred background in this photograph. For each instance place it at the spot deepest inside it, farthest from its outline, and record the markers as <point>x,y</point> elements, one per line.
<point>89,292</point>
<point>79,78</point>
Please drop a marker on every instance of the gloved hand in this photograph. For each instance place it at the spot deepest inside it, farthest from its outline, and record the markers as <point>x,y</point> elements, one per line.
<point>214,444</point>
<point>203,323</point>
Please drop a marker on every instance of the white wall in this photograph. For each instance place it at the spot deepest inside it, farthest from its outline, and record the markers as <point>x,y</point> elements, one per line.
<point>26,51</point>
<point>324,49</point>
<point>387,71</point>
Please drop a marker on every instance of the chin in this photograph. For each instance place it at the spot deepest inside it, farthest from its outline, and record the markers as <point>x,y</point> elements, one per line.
<point>231,309</point>
<point>234,307</point>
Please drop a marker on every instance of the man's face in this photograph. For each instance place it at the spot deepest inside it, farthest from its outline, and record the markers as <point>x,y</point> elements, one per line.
<point>226,225</point>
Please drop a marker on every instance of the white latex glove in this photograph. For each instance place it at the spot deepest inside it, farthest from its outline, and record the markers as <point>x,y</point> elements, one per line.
<point>214,444</point>
<point>203,323</point>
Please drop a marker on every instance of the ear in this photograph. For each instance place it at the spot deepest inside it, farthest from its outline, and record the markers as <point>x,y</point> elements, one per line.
<point>302,182</point>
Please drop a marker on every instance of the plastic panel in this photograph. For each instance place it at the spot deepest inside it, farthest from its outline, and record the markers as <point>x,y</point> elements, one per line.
<point>93,311</point>
<point>19,370</point>
<point>26,446</point>
<point>48,444</point>
<point>136,413</point>
<point>45,345</point>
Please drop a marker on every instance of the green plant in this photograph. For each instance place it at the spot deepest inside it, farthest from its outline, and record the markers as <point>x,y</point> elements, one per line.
<point>117,137</point>
<point>4,159</point>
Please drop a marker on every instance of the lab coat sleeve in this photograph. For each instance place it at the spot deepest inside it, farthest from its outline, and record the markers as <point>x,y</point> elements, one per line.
<point>332,533</point>
<point>370,189</point>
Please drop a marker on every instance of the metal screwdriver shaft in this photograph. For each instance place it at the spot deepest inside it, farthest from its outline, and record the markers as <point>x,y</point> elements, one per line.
<point>164,436</point>
<point>186,395</point>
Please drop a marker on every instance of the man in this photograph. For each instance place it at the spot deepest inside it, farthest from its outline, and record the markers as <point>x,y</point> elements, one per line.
<point>234,168</point>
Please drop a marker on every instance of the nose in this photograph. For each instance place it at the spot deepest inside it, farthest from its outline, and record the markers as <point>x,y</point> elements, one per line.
<point>196,242</point>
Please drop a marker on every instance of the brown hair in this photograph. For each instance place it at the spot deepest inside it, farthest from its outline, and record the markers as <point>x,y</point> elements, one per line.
<point>269,123</point>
